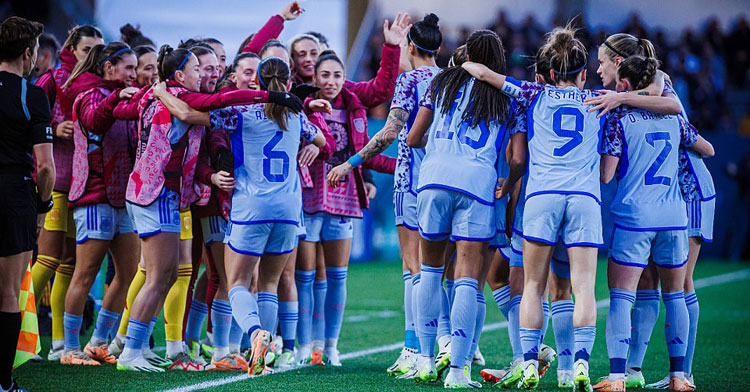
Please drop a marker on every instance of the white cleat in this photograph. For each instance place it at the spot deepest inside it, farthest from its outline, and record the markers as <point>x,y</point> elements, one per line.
<point>443,358</point>
<point>404,364</point>
<point>303,353</point>
<point>458,380</point>
<point>565,379</point>
<point>478,358</point>
<point>661,384</point>
<point>332,356</point>
<point>55,353</point>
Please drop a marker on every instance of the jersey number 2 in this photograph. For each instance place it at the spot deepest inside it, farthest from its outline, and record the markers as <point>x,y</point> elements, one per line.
<point>651,177</point>
<point>575,134</point>
<point>269,155</point>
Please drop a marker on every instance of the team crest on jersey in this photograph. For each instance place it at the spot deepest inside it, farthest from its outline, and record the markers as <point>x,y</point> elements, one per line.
<point>359,125</point>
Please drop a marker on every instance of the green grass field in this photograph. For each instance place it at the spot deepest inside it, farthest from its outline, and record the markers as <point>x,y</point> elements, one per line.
<point>374,320</point>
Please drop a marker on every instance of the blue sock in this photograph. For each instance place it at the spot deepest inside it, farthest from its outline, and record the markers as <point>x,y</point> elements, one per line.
<point>415,280</point>
<point>530,343</point>
<point>137,334</point>
<point>444,322</point>
<point>151,326</point>
<point>618,332</point>
<point>645,313</point>
<point>105,322</point>
<point>676,329</point>
<point>545,320</point>
<point>320,288</point>
<point>196,317</point>
<point>691,301</point>
<point>514,327</point>
<point>235,334</point>
<point>244,309</point>
<point>428,309</point>
<point>463,320</point>
<point>562,326</point>
<point>268,309</point>
<point>72,324</point>
<point>335,301</point>
<point>584,342</point>
<point>502,299</point>
<point>288,318</point>
<point>304,280</point>
<point>449,290</point>
<point>221,320</point>
<point>479,324</point>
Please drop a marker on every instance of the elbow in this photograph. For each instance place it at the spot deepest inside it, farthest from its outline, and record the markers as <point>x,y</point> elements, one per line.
<point>45,169</point>
<point>517,163</point>
<point>389,138</point>
<point>412,142</point>
<point>710,152</point>
<point>605,177</point>
<point>674,108</point>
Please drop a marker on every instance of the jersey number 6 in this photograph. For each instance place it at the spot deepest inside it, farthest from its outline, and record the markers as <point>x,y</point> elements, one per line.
<point>269,155</point>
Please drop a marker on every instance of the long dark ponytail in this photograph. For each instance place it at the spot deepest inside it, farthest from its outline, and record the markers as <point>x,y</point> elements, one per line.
<point>273,75</point>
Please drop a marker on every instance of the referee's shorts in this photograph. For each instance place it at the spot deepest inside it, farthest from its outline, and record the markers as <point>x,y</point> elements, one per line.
<point>17,214</point>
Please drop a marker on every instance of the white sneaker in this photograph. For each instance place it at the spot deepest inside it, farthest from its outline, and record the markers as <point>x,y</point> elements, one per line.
<point>404,363</point>
<point>478,358</point>
<point>332,356</point>
<point>565,379</point>
<point>661,384</point>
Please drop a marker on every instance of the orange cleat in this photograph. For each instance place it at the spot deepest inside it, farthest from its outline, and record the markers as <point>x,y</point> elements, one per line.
<point>229,363</point>
<point>100,353</point>
<point>316,358</point>
<point>261,342</point>
<point>78,357</point>
<point>607,385</point>
<point>680,384</point>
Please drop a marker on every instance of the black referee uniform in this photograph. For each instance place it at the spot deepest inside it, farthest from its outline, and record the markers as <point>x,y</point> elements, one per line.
<point>24,122</point>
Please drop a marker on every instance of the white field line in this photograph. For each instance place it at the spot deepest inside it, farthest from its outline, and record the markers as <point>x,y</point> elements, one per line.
<point>603,303</point>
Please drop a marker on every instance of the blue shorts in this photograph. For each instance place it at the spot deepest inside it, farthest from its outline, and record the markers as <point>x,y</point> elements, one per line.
<point>577,219</point>
<point>513,252</point>
<point>405,207</point>
<point>667,248</point>
<point>444,213</point>
<point>214,229</point>
<point>301,229</point>
<point>101,222</point>
<point>323,226</point>
<point>559,263</point>
<point>256,239</point>
<point>163,215</point>
<point>701,219</point>
<point>499,241</point>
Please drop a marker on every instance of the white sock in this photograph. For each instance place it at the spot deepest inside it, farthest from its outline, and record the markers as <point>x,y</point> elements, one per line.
<point>234,348</point>
<point>317,345</point>
<point>332,343</point>
<point>129,354</point>
<point>174,347</point>
<point>58,344</point>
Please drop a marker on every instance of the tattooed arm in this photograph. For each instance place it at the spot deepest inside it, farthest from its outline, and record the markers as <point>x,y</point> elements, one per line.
<point>385,137</point>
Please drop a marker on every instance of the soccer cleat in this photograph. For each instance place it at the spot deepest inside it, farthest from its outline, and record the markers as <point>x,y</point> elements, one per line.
<point>565,379</point>
<point>100,353</point>
<point>230,363</point>
<point>513,378</point>
<point>183,361</point>
<point>458,380</point>
<point>426,372</point>
<point>680,384</point>
<point>403,364</point>
<point>661,384</point>
<point>260,343</point>
<point>138,364</point>
<point>116,346</point>
<point>408,375</point>
<point>285,361</point>
<point>607,385</point>
<point>581,376</point>
<point>332,355</point>
<point>316,358</point>
<point>547,355</point>
<point>77,357</point>
<point>530,375</point>
<point>493,375</point>
<point>55,353</point>
<point>207,350</point>
<point>154,359</point>
<point>634,379</point>
<point>443,358</point>
<point>472,383</point>
<point>478,358</point>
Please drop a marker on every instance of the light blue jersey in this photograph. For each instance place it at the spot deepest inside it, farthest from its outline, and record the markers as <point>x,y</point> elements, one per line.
<point>648,193</point>
<point>564,139</point>
<point>459,157</point>
<point>410,88</point>
<point>265,163</point>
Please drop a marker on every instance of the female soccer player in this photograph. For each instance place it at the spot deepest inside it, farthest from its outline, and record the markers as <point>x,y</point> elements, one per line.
<point>265,205</point>
<point>101,165</point>
<point>424,40</point>
<point>57,241</point>
<point>145,72</point>
<point>456,196</point>
<point>328,210</point>
<point>647,182</point>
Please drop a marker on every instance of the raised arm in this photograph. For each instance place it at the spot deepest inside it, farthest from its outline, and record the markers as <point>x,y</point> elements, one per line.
<point>273,27</point>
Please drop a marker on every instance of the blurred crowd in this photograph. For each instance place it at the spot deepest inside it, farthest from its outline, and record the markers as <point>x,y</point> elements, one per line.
<point>709,66</point>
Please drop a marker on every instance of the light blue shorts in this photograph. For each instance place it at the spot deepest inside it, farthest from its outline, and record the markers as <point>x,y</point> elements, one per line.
<point>301,229</point>
<point>577,219</point>
<point>214,229</point>
<point>701,219</point>
<point>323,226</point>
<point>667,248</point>
<point>559,263</point>
<point>101,222</point>
<point>256,239</point>
<point>163,215</point>
<point>443,213</point>
<point>499,241</point>
<point>513,252</point>
<point>405,207</point>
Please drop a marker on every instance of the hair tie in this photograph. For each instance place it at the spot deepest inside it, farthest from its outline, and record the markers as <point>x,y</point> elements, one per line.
<point>417,45</point>
<point>260,78</point>
<point>575,71</point>
<point>181,65</point>
<point>113,55</point>
<point>617,52</point>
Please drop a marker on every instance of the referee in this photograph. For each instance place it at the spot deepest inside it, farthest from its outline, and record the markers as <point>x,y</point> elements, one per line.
<point>24,129</point>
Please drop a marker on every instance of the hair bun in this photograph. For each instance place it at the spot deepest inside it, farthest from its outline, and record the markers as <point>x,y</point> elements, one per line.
<point>431,20</point>
<point>328,52</point>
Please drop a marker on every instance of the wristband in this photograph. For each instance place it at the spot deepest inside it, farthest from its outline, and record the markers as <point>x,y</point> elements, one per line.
<point>355,160</point>
<point>42,206</point>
